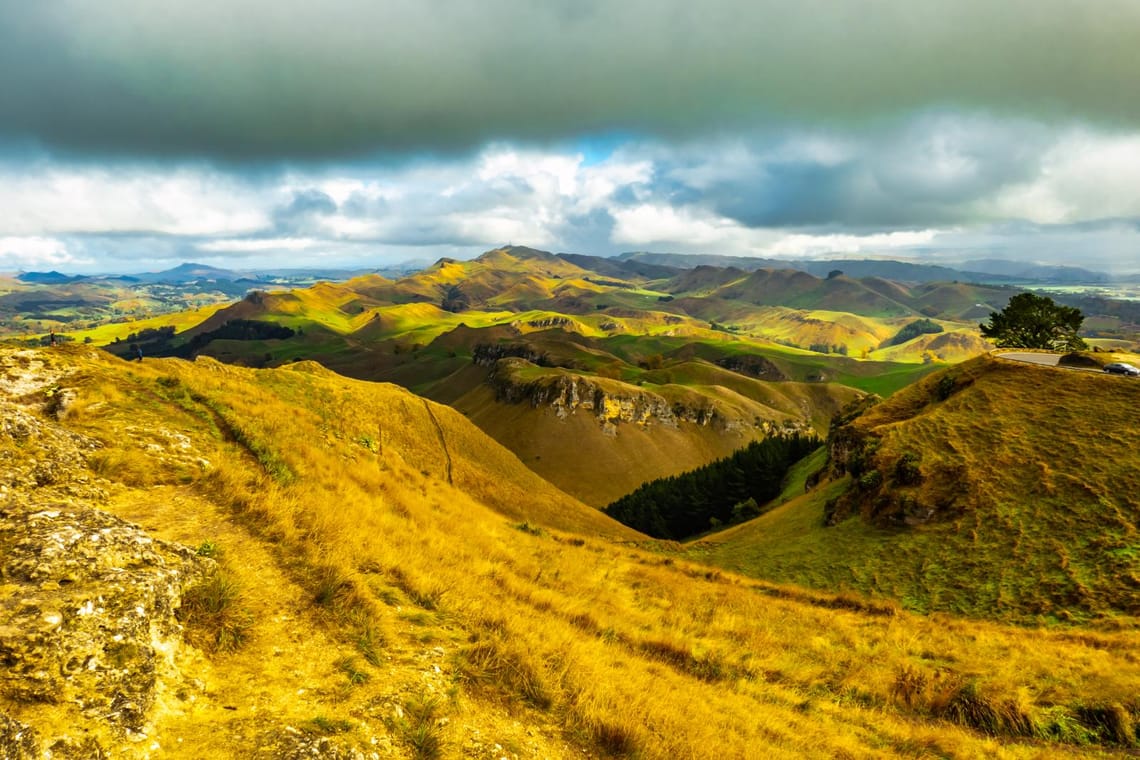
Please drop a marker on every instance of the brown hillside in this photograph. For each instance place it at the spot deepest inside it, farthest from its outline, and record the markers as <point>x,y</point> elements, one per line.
<point>599,438</point>
<point>248,572</point>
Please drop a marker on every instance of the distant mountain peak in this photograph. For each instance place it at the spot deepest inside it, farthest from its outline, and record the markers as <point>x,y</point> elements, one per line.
<point>47,278</point>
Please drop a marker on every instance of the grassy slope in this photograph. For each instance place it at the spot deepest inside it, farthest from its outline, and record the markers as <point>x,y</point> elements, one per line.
<point>611,649</point>
<point>1042,469</point>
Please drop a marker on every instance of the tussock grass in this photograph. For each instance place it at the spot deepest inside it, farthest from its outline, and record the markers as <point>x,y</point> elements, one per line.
<point>213,614</point>
<point>628,653</point>
<point>492,660</point>
<point>420,727</point>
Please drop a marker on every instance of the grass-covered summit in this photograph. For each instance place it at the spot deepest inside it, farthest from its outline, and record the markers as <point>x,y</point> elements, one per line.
<point>991,489</point>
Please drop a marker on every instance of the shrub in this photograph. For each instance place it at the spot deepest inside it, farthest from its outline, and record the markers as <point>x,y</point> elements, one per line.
<point>906,470</point>
<point>209,548</point>
<point>745,510</point>
<point>945,387</point>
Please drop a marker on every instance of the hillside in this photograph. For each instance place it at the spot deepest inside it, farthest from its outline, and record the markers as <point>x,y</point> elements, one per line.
<point>295,576</point>
<point>598,438</point>
<point>731,368</point>
<point>992,489</point>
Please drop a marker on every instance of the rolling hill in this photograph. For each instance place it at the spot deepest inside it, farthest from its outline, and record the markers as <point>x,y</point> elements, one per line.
<point>325,567</point>
<point>723,356</point>
<point>991,489</point>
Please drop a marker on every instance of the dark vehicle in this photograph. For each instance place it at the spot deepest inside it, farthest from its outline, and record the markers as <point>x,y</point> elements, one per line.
<point>1121,368</point>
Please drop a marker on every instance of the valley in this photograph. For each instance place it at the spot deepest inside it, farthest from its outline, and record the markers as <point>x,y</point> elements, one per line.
<point>379,506</point>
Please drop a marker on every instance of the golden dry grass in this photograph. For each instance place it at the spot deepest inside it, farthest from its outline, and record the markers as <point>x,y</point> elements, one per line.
<point>617,650</point>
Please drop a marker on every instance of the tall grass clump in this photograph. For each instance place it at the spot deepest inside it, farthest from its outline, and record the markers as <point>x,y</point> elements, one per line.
<point>213,613</point>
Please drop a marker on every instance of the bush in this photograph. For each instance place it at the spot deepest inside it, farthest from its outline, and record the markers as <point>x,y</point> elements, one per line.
<point>906,470</point>
<point>945,387</point>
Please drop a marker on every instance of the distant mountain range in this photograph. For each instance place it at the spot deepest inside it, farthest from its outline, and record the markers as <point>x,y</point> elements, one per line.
<point>980,270</point>
<point>189,272</point>
<point>640,264</point>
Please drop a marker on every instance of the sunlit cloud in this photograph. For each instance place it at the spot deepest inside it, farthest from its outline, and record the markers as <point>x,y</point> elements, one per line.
<point>36,252</point>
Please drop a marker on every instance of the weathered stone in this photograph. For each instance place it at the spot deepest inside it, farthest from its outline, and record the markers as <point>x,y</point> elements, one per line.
<point>89,616</point>
<point>17,741</point>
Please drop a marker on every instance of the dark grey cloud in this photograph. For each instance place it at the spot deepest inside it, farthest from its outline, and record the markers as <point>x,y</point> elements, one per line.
<point>936,169</point>
<point>306,207</point>
<point>269,79</point>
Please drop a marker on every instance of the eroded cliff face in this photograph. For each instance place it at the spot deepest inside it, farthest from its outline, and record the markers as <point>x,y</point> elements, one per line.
<point>613,404</point>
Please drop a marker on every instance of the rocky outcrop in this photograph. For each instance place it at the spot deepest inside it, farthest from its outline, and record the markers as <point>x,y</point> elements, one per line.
<point>90,621</point>
<point>567,394</point>
<point>487,354</point>
<point>614,403</point>
<point>88,627</point>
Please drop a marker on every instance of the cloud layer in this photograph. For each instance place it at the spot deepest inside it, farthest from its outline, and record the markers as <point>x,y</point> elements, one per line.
<point>261,79</point>
<point>944,183</point>
<point>136,133</point>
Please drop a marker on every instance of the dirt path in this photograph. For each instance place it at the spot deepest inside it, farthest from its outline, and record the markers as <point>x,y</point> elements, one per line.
<point>289,681</point>
<point>442,441</point>
<point>285,676</point>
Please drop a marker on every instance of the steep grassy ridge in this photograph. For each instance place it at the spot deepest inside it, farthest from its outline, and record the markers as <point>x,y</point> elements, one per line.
<point>546,643</point>
<point>993,489</point>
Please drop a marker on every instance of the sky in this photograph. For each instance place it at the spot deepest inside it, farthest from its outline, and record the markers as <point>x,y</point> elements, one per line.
<point>136,135</point>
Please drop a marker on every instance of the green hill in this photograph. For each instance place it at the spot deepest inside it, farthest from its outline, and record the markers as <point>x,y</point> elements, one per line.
<point>992,489</point>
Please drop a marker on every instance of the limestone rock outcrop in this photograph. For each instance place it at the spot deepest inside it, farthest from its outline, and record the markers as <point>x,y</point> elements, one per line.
<point>89,619</point>
<point>613,403</point>
<point>88,626</point>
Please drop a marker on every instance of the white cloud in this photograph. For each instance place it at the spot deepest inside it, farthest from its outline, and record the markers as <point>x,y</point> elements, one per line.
<point>62,199</point>
<point>791,246</point>
<point>679,228</point>
<point>255,245</point>
<point>694,229</point>
<point>35,252</point>
<point>1085,176</point>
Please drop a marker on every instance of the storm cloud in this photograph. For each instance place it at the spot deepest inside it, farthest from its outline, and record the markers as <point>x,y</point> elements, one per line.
<point>269,79</point>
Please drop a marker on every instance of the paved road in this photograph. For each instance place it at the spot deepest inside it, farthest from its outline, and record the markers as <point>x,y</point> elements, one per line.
<point>1045,360</point>
<point>1048,360</point>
